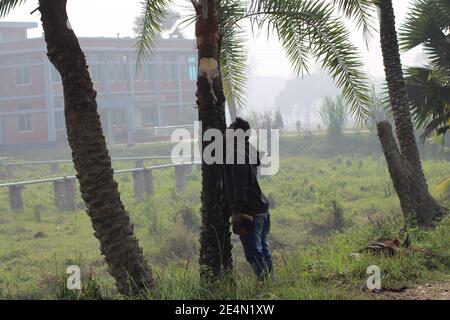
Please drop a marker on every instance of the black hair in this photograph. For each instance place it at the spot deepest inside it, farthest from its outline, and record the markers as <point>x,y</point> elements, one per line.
<point>240,123</point>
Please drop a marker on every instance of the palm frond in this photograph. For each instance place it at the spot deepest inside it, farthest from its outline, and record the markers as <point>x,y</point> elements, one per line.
<point>233,53</point>
<point>429,96</point>
<point>361,12</point>
<point>428,23</point>
<point>379,108</point>
<point>153,12</point>
<point>7,5</point>
<point>309,28</point>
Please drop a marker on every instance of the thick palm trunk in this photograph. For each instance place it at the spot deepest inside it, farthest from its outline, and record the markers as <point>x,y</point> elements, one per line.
<point>215,251</point>
<point>90,155</point>
<point>397,88</point>
<point>418,206</point>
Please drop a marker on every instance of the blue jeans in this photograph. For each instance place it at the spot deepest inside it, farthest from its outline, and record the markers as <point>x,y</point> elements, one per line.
<point>256,245</point>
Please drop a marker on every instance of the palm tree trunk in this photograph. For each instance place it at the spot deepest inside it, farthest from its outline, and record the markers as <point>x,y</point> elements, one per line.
<point>90,155</point>
<point>418,206</point>
<point>397,89</point>
<point>404,166</point>
<point>215,244</point>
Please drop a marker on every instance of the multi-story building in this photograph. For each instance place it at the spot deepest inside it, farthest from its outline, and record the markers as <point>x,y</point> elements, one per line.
<point>133,101</point>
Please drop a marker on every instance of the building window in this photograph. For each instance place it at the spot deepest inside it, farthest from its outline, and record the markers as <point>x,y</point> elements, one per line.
<point>137,71</point>
<point>60,122</point>
<point>184,72</point>
<point>148,70</point>
<point>151,115</point>
<point>192,68</point>
<point>118,117</point>
<point>171,71</point>
<point>25,123</point>
<point>96,72</point>
<point>23,75</point>
<point>117,72</point>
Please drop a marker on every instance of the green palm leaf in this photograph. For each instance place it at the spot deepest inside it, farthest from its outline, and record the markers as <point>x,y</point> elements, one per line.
<point>360,11</point>
<point>309,28</point>
<point>429,96</point>
<point>153,12</point>
<point>7,5</point>
<point>428,23</point>
<point>233,53</point>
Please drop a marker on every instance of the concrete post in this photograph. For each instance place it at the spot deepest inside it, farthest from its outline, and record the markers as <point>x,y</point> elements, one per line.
<point>180,178</point>
<point>59,193</point>
<point>70,194</point>
<point>10,171</point>
<point>148,182</point>
<point>15,198</point>
<point>138,184</point>
<point>188,169</point>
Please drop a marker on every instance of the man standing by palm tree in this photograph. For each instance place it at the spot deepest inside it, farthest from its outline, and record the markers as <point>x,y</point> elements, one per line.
<point>249,207</point>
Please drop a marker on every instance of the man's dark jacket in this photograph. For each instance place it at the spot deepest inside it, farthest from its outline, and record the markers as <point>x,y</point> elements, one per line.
<point>241,186</point>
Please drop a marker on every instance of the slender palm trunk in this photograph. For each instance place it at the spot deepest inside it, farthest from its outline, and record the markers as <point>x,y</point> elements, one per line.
<point>397,88</point>
<point>90,155</point>
<point>215,250</point>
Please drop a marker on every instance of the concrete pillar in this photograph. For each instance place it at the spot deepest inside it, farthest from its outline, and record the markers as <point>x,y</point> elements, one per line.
<point>10,171</point>
<point>188,169</point>
<point>138,184</point>
<point>59,193</point>
<point>148,182</point>
<point>180,178</point>
<point>54,168</point>
<point>15,198</point>
<point>70,195</point>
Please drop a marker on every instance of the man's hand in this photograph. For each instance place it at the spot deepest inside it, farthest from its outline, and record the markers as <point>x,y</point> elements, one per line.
<point>237,221</point>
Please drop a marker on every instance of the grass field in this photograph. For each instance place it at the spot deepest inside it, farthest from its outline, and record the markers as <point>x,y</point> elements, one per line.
<point>312,260</point>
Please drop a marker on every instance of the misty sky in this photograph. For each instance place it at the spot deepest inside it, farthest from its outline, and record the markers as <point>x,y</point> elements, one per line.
<point>92,18</point>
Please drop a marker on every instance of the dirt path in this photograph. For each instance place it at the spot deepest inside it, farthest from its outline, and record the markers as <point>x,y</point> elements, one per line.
<point>439,290</point>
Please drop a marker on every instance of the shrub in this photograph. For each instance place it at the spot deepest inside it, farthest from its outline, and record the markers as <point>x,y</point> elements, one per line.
<point>179,243</point>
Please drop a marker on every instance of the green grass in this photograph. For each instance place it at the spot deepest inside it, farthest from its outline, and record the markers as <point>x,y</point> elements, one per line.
<point>309,264</point>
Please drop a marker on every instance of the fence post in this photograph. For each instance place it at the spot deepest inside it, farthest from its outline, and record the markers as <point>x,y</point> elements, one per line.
<point>10,171</point>
<point>188,168</point>
<point>15,198</point>
<point>70,194</point>
<point>59,193</point>
<point>54,168</point>
<point>138,184</point>
<point>148,181</point>
<point>180,178</point>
